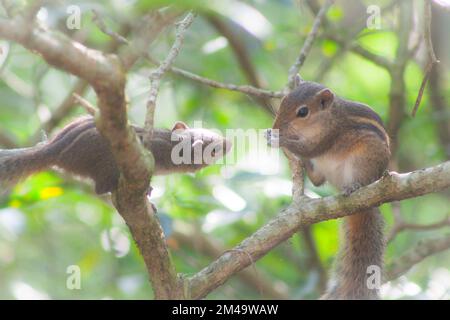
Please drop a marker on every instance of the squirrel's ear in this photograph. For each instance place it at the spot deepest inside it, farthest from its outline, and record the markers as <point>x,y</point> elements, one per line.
<point>179,125</point>
<point>326,97</point>
<point>297,80</point>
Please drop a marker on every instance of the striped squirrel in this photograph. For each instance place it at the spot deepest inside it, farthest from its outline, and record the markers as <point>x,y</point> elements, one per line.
<point>80,149</point>
<point>345,143</point>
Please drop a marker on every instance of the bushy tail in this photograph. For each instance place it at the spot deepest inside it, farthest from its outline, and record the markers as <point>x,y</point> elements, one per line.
<point>359,263</point>
<point>17,164</point>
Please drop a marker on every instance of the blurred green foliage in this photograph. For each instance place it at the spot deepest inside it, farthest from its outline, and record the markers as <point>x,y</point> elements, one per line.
<point>50,222</point>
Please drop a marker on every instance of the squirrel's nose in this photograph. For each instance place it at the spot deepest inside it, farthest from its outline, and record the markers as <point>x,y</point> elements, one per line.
<point>222,148</point>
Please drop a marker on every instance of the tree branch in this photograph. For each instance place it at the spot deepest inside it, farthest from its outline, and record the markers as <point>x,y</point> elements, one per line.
<point>354,47</point>
<point>422,250</point>
<point>105,73</point>
<point>242,55</point>
<point>148,28</point>
<point>61,111</point>
<point>432,60</point>
<point>211,248</point>
<point>156,75</point>
<point>102,26</point>
<point>246,89</point>
<point>66,106</point>
<point>390,188</point>
<point>90,109</point>
<point>400,226</point>
<point>295,68</point>
<point>397,92</point>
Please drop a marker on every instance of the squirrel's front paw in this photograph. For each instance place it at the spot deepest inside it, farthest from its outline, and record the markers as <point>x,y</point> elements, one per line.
<point>348,190</point>
<point>155,210</point>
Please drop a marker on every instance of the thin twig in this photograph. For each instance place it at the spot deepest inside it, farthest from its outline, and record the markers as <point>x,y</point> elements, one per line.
<point>330,34</point>
<point>294,69</point>
<point>85,104</point>
<point>98,20</point>
<point>60,112</point>
<point>356,48</point>
<point>242,55</point>
<point>136,50</point>
<point>400,226</point>
<point>422,250</point>
<point>427,32</point>
<point>246,89</point>
<point>428,69</point>
<point>432,60</point>
<point>397,90</point>
<point>156,76</point>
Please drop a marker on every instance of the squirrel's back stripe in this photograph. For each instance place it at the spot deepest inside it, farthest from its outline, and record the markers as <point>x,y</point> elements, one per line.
<point>370,127</point>
<point>358,109</point>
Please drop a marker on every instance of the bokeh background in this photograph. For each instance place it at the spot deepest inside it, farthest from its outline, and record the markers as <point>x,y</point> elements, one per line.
<point>52,221</point>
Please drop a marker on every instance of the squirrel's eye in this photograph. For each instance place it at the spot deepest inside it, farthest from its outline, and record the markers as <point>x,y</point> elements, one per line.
<point>302,112</point>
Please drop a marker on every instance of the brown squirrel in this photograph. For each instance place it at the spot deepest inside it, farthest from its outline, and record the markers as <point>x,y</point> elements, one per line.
<point>345,143</point>
<point>80,149</point>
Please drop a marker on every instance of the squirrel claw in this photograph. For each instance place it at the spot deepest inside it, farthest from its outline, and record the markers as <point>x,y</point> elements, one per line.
<point>155,210</point>
<point>149,191</point>
<point>350,189</point>
<point>386,174</point>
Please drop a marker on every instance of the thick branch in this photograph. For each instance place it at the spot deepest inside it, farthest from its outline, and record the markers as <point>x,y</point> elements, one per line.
<point>106,75</point>
<point>390,188</point>
<point>211,248</point>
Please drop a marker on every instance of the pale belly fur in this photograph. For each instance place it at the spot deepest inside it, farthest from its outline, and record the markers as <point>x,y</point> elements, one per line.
<point>339,173</point>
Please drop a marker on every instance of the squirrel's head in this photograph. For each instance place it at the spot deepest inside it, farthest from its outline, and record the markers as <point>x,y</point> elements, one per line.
<point>304,116</point>
<point>185,149</point>
<point>195,148</point>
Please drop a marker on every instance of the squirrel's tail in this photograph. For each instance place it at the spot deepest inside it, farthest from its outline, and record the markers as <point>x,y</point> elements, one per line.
<point>17,164</point>
<point>358,272</point>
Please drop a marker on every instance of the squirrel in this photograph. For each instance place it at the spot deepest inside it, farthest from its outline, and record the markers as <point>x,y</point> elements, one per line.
<point>345,143</point>
<point>80,149</point>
